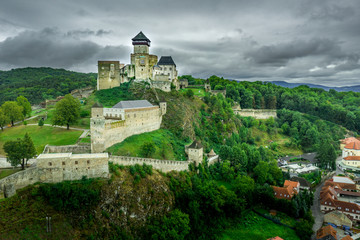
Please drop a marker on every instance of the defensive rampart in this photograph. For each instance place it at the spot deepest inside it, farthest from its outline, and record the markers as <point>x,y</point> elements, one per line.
<point>257,113</point>
<point>67,149</point>
<point>163,165</point>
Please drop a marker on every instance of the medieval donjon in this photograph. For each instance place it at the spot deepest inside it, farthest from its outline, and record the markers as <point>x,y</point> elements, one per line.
<point>112,125</point>
<point>143,67</point>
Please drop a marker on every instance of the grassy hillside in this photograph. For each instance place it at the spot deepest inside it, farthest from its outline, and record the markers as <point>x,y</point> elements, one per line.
<point>255,227</point>
<point>40,136</point>
<point>38,84</point>
<point>167,146</point>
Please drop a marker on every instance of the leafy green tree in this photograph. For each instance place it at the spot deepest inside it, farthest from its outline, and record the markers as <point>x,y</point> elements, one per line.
<point>29,148</point>
<point>244,187</point>
<point>19,151</point>
<point>326,156</point>
<point>24,103</point>
<point>148,149</point>
<point>41,122</point>
<point>13,111</point>
<point>176,225</point>
<point>4,119</point>
<point>67,111</point>
<point>189,93</point>
<point>304,229</point>
<point>261,172</point>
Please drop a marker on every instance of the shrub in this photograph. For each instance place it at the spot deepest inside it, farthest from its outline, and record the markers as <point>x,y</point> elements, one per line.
<point>41,122</point>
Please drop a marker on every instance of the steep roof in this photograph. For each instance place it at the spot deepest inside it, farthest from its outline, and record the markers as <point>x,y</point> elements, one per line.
<point>352,158</point>
<point>133,104</point>
<point>347,237</point>
<point>326,231</point>
<point>349,140</point>
<point>303,182</point>
<point>292,184</point>
<point>166,60</point>
<point>97,105</point>
<point>353,145</point>
<point>140,37</point>
<point>195,144</point>
<point>212,153</point>
<point>282,192</point>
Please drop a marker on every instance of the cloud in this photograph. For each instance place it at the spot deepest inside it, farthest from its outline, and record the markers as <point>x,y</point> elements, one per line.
<point>87,32</point>
<point>281,53</point>
<point>49,47</point>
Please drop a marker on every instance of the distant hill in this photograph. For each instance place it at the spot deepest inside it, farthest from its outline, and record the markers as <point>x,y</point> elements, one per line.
<point>38,84</point>
<point>355,88</point>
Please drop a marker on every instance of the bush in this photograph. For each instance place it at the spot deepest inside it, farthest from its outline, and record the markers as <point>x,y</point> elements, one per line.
<point>25,123</point>
<point>84,113</point>
<point>41,122</point>
<point>71,195</point>
<point>189,93</point>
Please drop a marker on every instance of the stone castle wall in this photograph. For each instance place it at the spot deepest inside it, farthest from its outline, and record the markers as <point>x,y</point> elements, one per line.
<point>257,113</point>
<point>108,74</point>
<point>163,165</point>
<point>67,149</point>
<point>107,132</point>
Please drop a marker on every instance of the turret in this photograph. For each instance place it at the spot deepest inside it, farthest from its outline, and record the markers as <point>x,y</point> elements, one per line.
<point>141,43</point>
<point>97,110</point>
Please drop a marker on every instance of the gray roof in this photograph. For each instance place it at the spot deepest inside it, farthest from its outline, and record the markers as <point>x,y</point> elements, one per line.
<point>133,104</point>
<point>195,144</point>
<point>140,37</point>
<point>166,60</point>
<point>97,105</point>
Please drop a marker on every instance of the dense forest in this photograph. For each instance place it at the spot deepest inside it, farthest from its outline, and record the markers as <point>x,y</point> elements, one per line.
<point>38,84</point>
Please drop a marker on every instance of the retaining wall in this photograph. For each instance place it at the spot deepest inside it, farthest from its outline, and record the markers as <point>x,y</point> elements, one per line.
<point>67,149</point>
<point>257,113</point>
<point>163,165</point>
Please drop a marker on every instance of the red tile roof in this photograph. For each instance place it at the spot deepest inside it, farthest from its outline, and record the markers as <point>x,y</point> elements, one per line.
<point>326,231</point>
<point>293,184</point>
<point>282,192</point>
<point>353,158</point>
<point>353,145</point>
<point>347,238</point>
<point>349,140</point>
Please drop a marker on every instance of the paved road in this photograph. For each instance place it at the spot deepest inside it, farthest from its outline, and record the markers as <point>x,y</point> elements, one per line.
<point>15,123</point>
<point>315,209</point>
<point>72,128</point>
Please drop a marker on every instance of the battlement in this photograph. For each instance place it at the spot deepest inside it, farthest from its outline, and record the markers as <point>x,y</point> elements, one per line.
<point>163,165</point>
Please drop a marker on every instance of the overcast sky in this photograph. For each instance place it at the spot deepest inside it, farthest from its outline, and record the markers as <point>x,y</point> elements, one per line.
<point>313,41</point>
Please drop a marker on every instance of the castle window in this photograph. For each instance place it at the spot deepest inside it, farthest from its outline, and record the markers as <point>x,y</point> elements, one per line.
<point>88,167</point>
<point>50,164</point>
<point>76,162</point>
<point>170,68</point>
<point>63,163</point>
<point>88,161</point>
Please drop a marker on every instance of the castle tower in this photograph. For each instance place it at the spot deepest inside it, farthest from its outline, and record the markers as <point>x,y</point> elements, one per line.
<point>141,59</point>
<point>195,152</point>
<point>163,108</point>
<point>108,74</point>
<point>97,127</point>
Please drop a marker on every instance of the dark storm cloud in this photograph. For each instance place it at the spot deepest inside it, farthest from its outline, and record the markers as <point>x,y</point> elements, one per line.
<point>49,47</point>
<point>281,53</point>
<point>302,40</point>
<point>87,32</point>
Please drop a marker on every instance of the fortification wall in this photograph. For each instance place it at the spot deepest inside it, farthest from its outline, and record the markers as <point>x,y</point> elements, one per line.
<point>21,179</point>
<point>163,165</point>
<point>105,133</point>
<point>108,74</point>
<point>67,149</point>
<point>163,85</point>
<point>257,113</point>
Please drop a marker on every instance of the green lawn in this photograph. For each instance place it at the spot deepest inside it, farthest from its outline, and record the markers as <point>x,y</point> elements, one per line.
<point>255,227</point>
<point>200,92</point>
<point>6,172</point>
<point>40,136</point>
<point>167,146</point>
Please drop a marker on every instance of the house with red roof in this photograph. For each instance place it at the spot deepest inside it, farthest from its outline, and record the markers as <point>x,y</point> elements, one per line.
<point>289,189</point>
<point>329,199</point>
<point>326,233</point>
<point>344,142</point>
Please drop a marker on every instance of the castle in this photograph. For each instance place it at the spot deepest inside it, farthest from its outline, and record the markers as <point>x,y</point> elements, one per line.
<point>143,67</point>
<point>112,125</point>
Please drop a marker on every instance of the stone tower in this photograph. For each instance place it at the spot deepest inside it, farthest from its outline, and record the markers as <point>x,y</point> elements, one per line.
<point>195,152</point>
<point>141,59</point>
<point>108,74</point>
<point>97,126</point>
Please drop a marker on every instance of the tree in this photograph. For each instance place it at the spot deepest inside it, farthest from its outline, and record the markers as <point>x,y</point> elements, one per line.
<point>304,229</point>
<point>13,111</point>
<point>244,187</point>
<point>23,102</point>
<point>326,156</point>
<point>19,151</point>
<point>261,172</point>
<point>4,119</point>
<point>67,111</point>
<point>189,93</point>
<point>148,149</point>
<point>173,226</point>
<point>29,147</point>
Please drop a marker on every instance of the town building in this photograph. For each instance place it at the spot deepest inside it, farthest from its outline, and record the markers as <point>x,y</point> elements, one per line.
<point>304,184</point>
<point>289,189</point>
<point>326,233</point>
